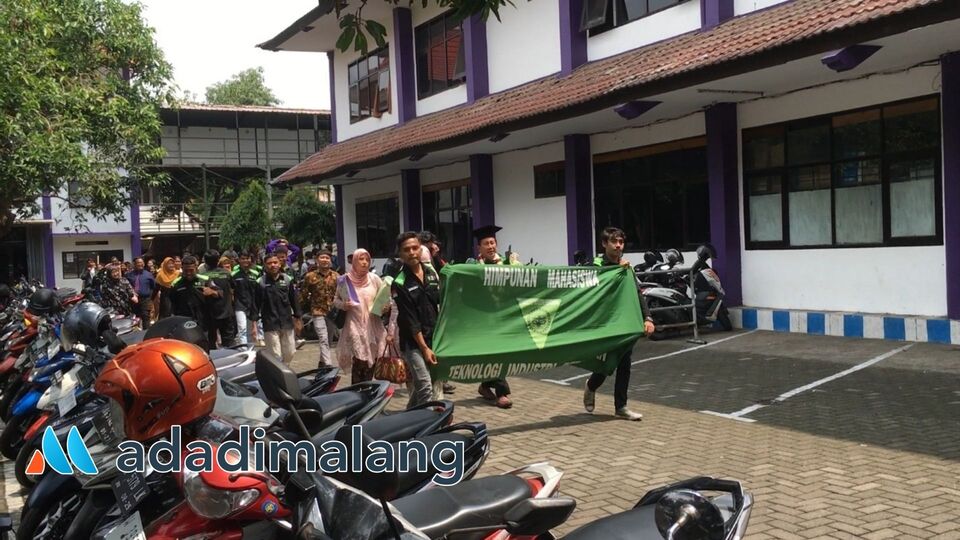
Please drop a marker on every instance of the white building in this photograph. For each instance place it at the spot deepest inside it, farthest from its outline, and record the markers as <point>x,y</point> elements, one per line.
<point>225,141</point>
<point>815,143</point>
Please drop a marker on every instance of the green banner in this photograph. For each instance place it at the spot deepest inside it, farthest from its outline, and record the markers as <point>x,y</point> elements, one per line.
<point>497,321</point>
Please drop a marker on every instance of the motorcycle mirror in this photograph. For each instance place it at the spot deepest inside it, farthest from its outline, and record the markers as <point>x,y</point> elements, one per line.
<point>685,514</point>
<point>278,382</point>
<point>532,517</point>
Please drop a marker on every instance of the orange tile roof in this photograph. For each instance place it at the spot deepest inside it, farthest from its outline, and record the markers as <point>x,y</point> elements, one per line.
<point>795,29</point>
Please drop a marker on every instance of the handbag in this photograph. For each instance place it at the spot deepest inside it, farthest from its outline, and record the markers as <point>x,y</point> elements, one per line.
<point>390,366</point>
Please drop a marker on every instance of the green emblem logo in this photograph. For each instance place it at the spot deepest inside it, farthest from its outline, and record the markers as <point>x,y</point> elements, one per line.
<point>538,314</point>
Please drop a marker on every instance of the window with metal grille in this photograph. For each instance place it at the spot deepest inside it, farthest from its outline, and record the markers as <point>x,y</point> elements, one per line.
<point>369,80</point>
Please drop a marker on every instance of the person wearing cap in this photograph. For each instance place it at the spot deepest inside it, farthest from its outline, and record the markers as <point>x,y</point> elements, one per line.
<point>497,390</point>
<point>612,239</point>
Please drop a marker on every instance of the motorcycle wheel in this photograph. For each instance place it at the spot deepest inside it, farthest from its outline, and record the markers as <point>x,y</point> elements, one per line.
<point>51,521</point>
<point>723,317</point>
<point>11,440</point>
<point>20,466</point>
<point>10,393</point>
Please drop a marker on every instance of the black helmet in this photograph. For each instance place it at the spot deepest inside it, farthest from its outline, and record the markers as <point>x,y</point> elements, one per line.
<point>85,323</point>
<point>5,291</point>
<point>44,302</point>
<point>674,256</point>
<point>181,328</point>
<point>706,251</point>
<point>651,258</point>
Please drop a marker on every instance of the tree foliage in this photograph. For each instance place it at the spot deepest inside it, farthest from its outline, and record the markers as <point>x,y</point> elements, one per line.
<point>247,224</point>
<point>81,82</point>
<point>305,219</point>
<point>244,88</point>
<point>354,28</point>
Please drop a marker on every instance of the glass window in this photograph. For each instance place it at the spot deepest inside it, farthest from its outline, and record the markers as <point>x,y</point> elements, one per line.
<point>548,180</point>
<point>447,213</point>
<point>74,262</point>
<point>378,225</point>
<point>440,55</point>
<point>598,16</point>
<point>370,85</point>
<point>660,198</point>
<point>867,177</point>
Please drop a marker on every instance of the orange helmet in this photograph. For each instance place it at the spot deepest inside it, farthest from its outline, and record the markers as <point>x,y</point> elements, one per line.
<point>157,384</point>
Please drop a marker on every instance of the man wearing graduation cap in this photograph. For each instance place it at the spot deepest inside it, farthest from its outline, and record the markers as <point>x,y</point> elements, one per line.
<point>497,391</point>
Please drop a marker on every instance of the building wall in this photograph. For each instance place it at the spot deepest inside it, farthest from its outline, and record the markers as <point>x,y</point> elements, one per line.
<point>536,228</point>
<point>361,190</point>
<point>65,219</point>
<point>746,6</point>
<point>899,280</point>
<point>216,146</point>
<point>68,243</point>
<point>341,61</point>
<point>524,45</point>
<point>665,24</point>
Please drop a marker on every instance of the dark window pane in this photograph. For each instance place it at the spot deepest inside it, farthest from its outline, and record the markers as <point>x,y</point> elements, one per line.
<point>856,134</point>
<point>354,101</point>
<point>365,97</point>
<point>857,173</point>
<point>635,9</point>
<point>808,144</point>
<point>763,149</point>
<point>594,13</point>
<point>807,178</point>
<point>908,171</point>
<point>764,184</point>
<point>698,213</point>
<point>668,215</point>
<point>436,32</point>
<point>656,5</point>
<point>912,126</point>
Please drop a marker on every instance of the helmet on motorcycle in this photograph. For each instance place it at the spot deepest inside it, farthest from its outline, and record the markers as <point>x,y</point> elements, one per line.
<point>5,291</point>
<point>674,256</point>
<point>181,328</point>
<point>651,258</point>
<point>706,251</point>
<point>157,384</point>
<point>44,302</point>
<point>85,323</point>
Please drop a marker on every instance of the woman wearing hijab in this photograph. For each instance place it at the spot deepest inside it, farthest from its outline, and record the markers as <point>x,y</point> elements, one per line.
<point>363,337</point>
<point>116,292</point>
<point>167,274</point>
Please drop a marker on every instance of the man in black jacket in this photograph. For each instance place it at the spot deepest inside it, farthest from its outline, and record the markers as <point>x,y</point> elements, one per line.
<point>221,317</point>
<point>188,293</point>
<point>245,278</point>
<point>276,305</point>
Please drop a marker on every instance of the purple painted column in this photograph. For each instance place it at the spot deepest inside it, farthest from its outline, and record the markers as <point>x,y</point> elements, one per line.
<point>136,249</point>
<point>333,100</point>
<point>341,243</point>
<point>714,12</point>
<point>950,107</point>
<point>475,40</point>
<point>410,199</point>
<point>405,68</point>
<point>573,42</point>
<point>481,189</point>
<point>578,186</point>
<point>722,136</point>
<point>49,270</point>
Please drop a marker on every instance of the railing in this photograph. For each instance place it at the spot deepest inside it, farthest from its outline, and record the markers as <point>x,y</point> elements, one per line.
<point>180,218</point>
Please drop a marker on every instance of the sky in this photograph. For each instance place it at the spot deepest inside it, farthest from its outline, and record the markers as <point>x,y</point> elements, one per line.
<point>207,41</point>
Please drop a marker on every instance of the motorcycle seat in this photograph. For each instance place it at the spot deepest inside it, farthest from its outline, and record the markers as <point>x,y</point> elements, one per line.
<point>636,524</point>
<point>412,478</point>
<point>395,427</point>
<point>477,503</point>
<point>131,338</point>
<point>220,354</point>
<point>335,406</point>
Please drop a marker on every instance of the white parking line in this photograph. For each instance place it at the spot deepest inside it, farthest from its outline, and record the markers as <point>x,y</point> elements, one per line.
<point>566,382</point>
<point>739,415</point>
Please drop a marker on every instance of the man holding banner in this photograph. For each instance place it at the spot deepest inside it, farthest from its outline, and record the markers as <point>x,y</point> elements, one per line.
<point>496,390</point>
<point>612,239</point>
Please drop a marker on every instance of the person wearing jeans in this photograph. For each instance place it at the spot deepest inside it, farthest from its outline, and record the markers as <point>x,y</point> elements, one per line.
<point>245,277</point>
<point>276,305</point>
<point>317,294</point>
<point>416,292</point>
<point>144,286</point>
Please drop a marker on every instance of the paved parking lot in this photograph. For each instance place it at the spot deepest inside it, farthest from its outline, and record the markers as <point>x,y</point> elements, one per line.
<point>836,438</point>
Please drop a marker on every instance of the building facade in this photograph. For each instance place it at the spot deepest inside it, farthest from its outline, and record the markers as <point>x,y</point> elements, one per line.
<point>229,143</point>
<point>815,143</point>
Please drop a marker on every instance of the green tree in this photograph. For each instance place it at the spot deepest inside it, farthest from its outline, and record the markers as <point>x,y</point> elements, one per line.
<point>244,88</point>
<point>304,219</point>
<point>81,82</point>
<point>247,225</point>
<point>354,28</point>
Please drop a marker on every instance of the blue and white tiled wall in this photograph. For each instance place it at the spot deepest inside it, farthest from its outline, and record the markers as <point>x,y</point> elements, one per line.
<point>893,327</point>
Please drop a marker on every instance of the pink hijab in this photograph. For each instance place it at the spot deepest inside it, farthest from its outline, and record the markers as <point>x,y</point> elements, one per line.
<point>359,278</point>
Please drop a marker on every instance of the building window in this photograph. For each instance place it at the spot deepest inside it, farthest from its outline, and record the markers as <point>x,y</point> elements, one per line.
<point>441,60</point>
<point>378,225</point>
<point>447,213</point>
<point>869,177</point>
<point>369,79</point>
<point>598,16</point>
<point>74,262</point>
<point>658,195</point>
<point>548,180</point>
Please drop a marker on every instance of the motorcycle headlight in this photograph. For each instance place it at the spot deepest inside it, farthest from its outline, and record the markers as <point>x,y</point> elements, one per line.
<point>213,503</point>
